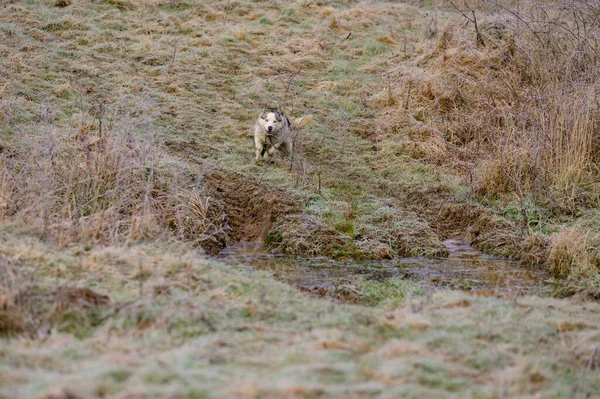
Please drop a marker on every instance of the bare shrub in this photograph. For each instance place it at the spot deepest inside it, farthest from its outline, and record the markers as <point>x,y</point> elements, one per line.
<point>552,104</point>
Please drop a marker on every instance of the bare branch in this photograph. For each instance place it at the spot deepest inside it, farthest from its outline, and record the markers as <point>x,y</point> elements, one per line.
<point>473,19</point>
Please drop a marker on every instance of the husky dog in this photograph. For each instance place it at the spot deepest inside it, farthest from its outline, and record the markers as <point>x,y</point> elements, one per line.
<point>272,131</point>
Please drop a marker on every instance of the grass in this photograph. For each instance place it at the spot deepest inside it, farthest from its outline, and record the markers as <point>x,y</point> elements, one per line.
<point>390,293</point>
<point>125,148</point>
<point>196,327</point>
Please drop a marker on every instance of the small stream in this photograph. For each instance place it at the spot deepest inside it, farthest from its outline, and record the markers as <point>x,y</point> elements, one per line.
<point>465,268</point>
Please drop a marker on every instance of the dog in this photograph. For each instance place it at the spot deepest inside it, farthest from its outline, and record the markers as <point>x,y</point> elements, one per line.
<point>273,131</point>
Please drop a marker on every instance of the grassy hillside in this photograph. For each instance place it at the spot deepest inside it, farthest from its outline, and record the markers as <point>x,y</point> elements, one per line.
<point>126,159</point>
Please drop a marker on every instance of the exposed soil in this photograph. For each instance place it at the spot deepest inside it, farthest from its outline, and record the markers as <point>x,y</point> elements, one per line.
<point>254,210</point>
<point>479,227</point>
<point>191,148</point>
<point>251,208</point>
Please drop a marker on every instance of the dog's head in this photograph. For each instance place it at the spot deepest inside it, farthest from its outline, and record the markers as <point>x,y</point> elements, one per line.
<point>272,120</point>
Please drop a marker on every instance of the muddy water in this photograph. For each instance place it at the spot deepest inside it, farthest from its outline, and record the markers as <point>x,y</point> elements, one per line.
<point>465,268</point>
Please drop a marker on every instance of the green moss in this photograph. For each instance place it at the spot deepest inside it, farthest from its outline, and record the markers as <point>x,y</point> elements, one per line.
<point>387,293</point>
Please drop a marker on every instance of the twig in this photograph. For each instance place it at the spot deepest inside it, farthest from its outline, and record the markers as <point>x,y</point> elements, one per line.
<point>472,19</point>
<point>289,84</point>
<point>593,362</point>
<point>348,36</point>
<point>264,171</point>
<point>514,14</point>
<point>407,98</point>
<point>174,51</point>
<point>319,177</point>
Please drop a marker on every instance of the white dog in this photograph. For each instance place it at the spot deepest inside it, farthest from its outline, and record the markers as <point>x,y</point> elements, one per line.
<point>273,131</point>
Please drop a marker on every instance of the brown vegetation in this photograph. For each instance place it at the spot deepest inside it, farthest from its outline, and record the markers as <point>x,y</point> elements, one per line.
<point>520,112</point>
<point>514,110</point>
<point>100,184</point>
<point>573,252</point>
<point>125,144</point>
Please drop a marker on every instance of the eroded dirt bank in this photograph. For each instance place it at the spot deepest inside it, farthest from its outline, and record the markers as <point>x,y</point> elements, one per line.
<point>257,212</point>
<point>249,209</point>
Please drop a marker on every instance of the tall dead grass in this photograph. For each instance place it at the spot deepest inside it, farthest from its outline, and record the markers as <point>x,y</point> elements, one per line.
<point>522,111</point>
<point>517,112</point>
<point>103,184</point>
<point>574,253</point>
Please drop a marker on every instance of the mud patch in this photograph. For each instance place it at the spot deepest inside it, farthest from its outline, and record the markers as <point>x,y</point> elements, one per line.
<point>192,148</point>
<point>251,208</point>
<point>481,229</point>
<point>477,226</point>
<point>465,269</point>
<point>243,208</point>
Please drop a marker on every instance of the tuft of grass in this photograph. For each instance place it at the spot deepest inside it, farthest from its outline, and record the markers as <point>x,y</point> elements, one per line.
<point>102,182</point>
<point>389,293</point>
<point>574,253</point>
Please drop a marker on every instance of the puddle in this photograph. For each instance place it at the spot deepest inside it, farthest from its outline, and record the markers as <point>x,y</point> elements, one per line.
<point>465,268</point>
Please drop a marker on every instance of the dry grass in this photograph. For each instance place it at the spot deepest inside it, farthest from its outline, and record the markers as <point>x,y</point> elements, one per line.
<point>384,100</point>
<point>522,118</point>
<point>574,252</point>
<point>125,136</point>
<point>515,112</point>
<point>103,186</point>
<point>179,325</point>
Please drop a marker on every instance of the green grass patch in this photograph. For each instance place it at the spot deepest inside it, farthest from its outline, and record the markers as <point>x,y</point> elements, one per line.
<point>387,293</point>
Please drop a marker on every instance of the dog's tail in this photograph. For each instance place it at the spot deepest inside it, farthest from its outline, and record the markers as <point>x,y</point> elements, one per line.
<point>299,123</point>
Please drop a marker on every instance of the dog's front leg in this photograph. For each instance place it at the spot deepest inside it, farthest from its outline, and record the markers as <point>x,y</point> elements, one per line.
<point>270,152</point>
<point>259,147</point>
